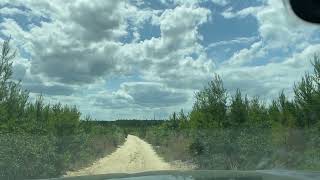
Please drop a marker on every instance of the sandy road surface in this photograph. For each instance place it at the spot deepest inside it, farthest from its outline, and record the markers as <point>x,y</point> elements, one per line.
<point>135,155</point>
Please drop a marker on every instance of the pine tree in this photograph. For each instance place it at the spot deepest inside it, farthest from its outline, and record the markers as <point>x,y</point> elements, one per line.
<point>238,110</point>
<point>307,96</point>
<point>12,97</point>
<point>210,107</point>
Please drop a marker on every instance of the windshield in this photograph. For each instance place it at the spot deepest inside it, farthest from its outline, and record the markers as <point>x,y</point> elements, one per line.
<point>91,87</point>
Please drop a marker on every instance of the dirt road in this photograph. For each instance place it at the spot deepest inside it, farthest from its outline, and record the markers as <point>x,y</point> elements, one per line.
<point>135,155</point>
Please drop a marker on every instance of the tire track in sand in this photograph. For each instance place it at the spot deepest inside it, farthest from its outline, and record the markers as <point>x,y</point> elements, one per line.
<point>135,155</point>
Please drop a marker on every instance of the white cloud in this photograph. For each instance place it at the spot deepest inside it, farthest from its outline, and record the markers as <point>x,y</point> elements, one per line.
<point>284,46</point>
<point>195,2</point>
<point>243,56</point>
<point>11,11</point>
<point>142,100</point>
<point>277,28</point>
<point>228,13</point>
<point>238,40</point>
<point>79,44</point>
<point>77,48</point>
<point>181,2</point>
<point>268,80</point>
<point>168,59</point>
<point>150,94</point>
<point>221,2</point>
<point>96,20</point>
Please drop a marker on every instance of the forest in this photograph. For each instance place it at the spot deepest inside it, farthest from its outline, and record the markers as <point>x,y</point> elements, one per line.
<point>222,131</point>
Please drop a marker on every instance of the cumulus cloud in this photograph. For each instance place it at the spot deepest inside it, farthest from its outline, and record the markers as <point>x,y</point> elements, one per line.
<point>169,59</point>
<point>221,2</point>
<point>69,64</point>
<point>281,36</point>
<point>71,50</point>
<point>229,13</point>
<point>243,56</point>
<point>269,79</point>
<point>79,45</point>
<point>278,31</point>
<point>278,27</point>
<point>80,41</point>
<point>181,2</point>
<point>154,94</point>
<point>195,2</point>
<point>96,20</point>
<point>144,95</point>
<point>9,11</point>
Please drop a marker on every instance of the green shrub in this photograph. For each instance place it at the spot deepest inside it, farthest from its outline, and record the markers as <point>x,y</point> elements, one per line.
<point>27,156</point>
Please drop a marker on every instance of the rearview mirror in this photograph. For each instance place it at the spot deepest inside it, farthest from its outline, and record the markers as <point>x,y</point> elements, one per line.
<point>308,10</point>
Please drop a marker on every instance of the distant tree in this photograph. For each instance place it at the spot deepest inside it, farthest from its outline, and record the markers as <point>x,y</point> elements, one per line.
<point>173,122</point>
<point>183,120</point>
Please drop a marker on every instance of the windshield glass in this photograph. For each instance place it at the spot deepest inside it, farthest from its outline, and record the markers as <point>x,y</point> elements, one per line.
<point>91,87</point>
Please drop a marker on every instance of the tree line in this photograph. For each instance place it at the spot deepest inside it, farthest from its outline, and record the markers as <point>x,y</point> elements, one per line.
<point>232,131</point>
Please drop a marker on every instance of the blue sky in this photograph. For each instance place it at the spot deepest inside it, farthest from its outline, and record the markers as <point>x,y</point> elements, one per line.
<point>140,59</point>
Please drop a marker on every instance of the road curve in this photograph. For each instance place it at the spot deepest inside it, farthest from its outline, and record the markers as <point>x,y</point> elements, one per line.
<point>135,155</point>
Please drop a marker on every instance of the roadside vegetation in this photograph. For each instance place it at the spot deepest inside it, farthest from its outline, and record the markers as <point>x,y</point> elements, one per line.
<point>223,130</point>
<point>232,131</point>
<point>39,140</point>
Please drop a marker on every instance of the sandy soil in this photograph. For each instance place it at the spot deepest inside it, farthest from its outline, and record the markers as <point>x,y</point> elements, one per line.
<point>135,155</point>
